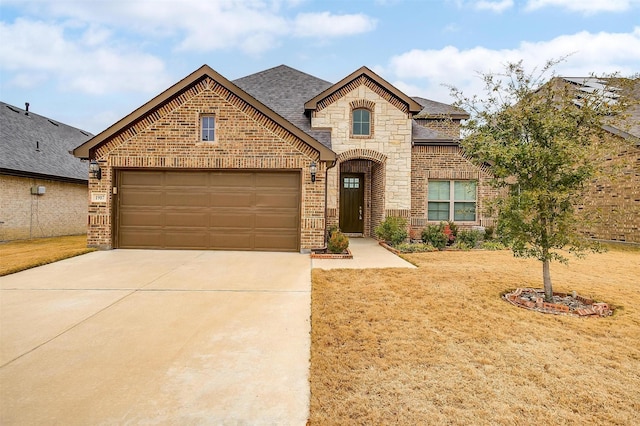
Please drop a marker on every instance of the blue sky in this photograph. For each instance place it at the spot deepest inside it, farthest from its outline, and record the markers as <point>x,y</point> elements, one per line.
<point>88,63</point>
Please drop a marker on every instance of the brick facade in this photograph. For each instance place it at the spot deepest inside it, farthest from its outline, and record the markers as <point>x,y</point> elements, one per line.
<point>445,163</point>
<point>61,210</point>
<point>611,208</point>
<point>168,138</point>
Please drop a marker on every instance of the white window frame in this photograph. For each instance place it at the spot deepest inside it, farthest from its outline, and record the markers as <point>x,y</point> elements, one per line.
<point>213,129</point>
<point>452,201</point>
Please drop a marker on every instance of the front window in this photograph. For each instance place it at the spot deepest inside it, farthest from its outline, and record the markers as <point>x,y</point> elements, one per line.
<point>208,126</point>
<point>452,200</point>
<point>361,119</point>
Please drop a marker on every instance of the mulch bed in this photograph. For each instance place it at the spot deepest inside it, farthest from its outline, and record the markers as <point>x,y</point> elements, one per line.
<point>563,304</point>
<point>326,254</point>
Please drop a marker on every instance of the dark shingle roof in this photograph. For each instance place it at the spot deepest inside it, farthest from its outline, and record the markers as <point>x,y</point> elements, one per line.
<point>424,135</point>
<point>33,145</point>
<point>431,109</point>
<point>285,90</point>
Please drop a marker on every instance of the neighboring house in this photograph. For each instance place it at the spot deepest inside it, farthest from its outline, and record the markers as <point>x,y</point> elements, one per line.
<point>269,161</point>
<point>612,201</point>
<point>43,187</point>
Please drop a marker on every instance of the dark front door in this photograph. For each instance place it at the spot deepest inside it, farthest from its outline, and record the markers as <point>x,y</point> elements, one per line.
<point>352,202</point>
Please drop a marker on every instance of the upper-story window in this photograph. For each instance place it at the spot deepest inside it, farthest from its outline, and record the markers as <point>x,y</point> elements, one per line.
<point>361,122</point>
<point>207,128</point>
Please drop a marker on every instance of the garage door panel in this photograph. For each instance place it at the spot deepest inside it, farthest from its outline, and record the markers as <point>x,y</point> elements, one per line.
<point>276,180</point>
<point>186,199</point>
<point>141,198</point>
<point>232,199</point>
<point>148,178</point>
<point>189,179</point>
<point>252,210</point>
<point>232,241</point>
<point>187,219</point>
<point>141,238</point>
<point>142,218</point>
<point>279,241</point>
<point>275,221</point>
<point>277,200</point>
<point>185,240</point>
<point>234,179</point>
<point>232,219</point>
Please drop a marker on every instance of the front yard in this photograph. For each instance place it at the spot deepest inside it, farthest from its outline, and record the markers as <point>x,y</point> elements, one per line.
<point>437,345</point>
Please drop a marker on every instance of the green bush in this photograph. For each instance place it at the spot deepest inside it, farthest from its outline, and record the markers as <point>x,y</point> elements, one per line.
<point>338,242</point>
<point>469,237</point>
<point>489,233</point>
<point>434,235</point>
<point>461,245</point>
<point>415,247</point>
<point>493,245</point>
<point>392,230</point>
<point>331,230</point>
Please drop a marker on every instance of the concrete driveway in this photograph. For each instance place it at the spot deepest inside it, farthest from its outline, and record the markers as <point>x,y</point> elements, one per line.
<point>157,337</point>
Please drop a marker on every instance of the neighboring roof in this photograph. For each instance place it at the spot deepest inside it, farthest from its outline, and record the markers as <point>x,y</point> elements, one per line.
<point>85,150</point>
<point>32,145</point>
<point>588,85</point>
<point>412,105</point>
<point>433,109</point>
<point>285,90</point>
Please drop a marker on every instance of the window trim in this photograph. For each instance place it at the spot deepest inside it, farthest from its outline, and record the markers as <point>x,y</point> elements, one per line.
<point>452,200</point>
<point>202,129</point>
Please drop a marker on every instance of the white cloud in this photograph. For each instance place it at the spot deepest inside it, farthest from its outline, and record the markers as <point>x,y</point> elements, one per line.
<point>584,6</point>
<point>589,53</point>
<point>494,6</point>
<point>254,26</point>
<point>326,25</point>
<point>86,63</point>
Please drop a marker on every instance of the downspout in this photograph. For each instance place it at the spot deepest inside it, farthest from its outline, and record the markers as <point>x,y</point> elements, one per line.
<point>326,196</point>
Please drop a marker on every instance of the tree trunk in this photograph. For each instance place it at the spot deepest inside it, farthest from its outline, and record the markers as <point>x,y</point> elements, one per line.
<point>546,276</point>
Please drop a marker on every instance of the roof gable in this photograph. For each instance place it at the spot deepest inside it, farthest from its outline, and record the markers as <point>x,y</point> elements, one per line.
<point>86,150</point>
<point>34,145</point>
<point>372,80</point>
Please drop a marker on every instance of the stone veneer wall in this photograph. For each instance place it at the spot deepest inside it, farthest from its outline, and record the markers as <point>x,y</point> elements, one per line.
<point>61,210</point>
<point>391,137</point>
<point>168,138</point>
<point>611,208</point>
<point>445,163</point>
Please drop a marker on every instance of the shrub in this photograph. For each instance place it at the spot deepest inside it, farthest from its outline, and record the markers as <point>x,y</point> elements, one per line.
<point>338,242</point>
<point>331,230</point>
<point>489,233</point>
<point>469,237</point>
<point>493,245</point>
<point>415,247</point>
<point>434,235</point>
<point>461,245</point>
<point>392,230</point>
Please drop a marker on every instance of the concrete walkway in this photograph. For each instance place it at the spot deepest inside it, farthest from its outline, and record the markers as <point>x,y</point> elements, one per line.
<point>157,337</point>
<point>367,253</point>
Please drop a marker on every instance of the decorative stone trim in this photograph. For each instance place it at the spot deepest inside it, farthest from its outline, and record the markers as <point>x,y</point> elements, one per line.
<point>362,154</point>
<point>533,299</point>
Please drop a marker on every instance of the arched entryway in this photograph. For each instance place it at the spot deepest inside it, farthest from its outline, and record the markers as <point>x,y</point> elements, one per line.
<point>361,191</point>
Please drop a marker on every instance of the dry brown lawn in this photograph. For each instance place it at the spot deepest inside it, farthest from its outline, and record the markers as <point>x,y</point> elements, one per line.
<point>437,345</point>
<point>20,255</point>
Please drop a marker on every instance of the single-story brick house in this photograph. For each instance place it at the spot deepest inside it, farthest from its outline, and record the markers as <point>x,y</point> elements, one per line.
<point>43,187</point>
<point>269,161</point>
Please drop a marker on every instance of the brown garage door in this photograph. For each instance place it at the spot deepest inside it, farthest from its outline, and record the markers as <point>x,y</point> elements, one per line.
<point>231,210</point>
